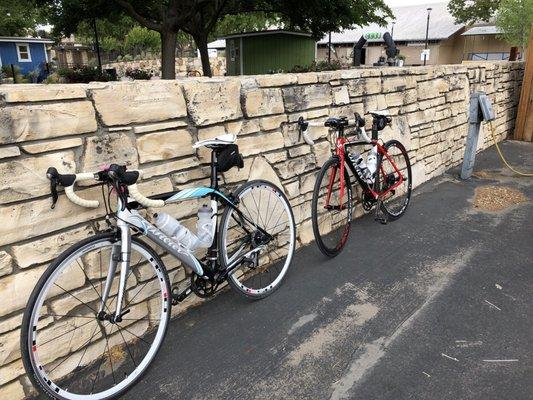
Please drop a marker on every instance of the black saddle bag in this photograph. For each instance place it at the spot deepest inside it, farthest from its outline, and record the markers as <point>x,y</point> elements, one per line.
<point>229,157</point>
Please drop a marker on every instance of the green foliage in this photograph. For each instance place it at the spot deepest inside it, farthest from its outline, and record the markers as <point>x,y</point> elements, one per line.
<point>33,75</point>
<point>238,23</point>
<point>514,19</point>
<point>141,40</point>
<point>19,17</point>
<point>83,75</point>
<point>138,74</point>
<point>469,12</point>
<point>318,66</point>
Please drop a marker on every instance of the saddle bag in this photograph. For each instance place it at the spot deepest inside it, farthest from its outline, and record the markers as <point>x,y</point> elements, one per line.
<point>229,157</point>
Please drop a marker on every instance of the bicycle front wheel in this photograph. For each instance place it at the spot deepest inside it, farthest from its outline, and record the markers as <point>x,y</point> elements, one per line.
<point>331,214</point>
<point>262,230</point>
<point>74,351</point>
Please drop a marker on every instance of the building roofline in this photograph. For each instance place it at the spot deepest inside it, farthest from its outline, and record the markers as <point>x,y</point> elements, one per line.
<point>266,32</point>
<point>25,39</point>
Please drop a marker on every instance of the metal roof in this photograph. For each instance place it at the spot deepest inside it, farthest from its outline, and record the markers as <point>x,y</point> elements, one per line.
<point>267,32</point>
<point>410,25</point>
<point>482,30</point>
<point>217,44</point>
<point>24,39</point>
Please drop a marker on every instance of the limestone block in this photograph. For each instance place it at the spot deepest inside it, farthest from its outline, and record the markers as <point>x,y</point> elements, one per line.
<point>46,249</point>
<point>22,122</point>
<point>274,122</point>
<point>299,98</point>
<point>52,145</point>
<point>139,102</point>
<point>10,151</point>
<point>11,372</point>
<point>21,179</point>
<point>39,92</point>
<point>255,144</point>
<point>26,220</point>
<point>169,166</point>
<point>261,169</point>
<point>6,263</point>
<point>10,323</point>
<point>296,166</point>
<point>112,148</point>
<point>13,390</point>
<point>259,102</point>
<point>306,78</point>
<point>271,80</point>
<point>160,126</point>
<point>211,102</point>
<point>340,95</point>
<point>399,83</point>
<point>364,86</point>
<point>17,287</point>
<point>164,145</point>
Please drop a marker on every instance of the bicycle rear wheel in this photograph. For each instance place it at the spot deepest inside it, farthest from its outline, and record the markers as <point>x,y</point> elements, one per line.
<point>331,215</point>
<point>265,206</point>
<point>70,350</point>
<point>395,202</point>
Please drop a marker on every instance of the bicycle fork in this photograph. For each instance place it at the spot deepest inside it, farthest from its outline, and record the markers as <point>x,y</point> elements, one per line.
<point>120,253</point>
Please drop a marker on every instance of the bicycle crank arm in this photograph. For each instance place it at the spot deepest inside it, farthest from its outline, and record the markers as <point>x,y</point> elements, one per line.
<point>178,297</point>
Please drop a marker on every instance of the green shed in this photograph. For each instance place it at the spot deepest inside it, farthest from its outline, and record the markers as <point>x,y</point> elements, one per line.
<point>265,52</point>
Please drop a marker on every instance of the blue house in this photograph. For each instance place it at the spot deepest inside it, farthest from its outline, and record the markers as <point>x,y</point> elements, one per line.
<point>28,53</point>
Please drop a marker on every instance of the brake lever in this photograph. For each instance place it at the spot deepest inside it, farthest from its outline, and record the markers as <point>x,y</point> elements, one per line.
<point>53,191</point>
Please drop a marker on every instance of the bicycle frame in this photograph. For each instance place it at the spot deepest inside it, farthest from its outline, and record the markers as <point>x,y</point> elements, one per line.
<point>341,146</point>
<point>129,219</point>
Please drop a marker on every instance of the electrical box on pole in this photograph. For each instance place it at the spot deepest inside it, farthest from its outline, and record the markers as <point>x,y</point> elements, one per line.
<point>480,110</point>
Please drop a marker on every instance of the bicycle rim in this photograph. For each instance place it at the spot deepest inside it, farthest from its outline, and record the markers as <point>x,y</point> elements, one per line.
<point>265,206</point>
<point>69,351</point>
<point>395,202</point>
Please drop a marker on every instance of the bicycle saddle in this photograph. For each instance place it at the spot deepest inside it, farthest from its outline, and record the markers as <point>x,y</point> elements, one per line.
<point>216,142</point>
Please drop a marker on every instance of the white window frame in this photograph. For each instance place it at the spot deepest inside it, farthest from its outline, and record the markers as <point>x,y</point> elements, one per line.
<point>27,45</point>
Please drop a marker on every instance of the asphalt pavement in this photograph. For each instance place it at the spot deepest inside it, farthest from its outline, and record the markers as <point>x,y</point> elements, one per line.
<point>436,305</point>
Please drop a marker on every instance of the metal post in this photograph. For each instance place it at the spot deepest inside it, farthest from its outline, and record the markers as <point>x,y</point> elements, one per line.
<point>392,30</point>
<point>427,34</point>
<point>329,48</point>
<point>474,123</point>
<point>13,73</point>
<point>97,45</point>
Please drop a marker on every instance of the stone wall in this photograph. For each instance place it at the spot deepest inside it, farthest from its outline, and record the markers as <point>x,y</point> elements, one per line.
<point>151,125</point>
<point>183,66</point>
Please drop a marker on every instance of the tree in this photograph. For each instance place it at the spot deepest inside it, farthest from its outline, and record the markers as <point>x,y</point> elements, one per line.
<point>199,18</point>
<point>141,40</point>
<point>470,12</point>
<point>19,17</point>
<point>238,23</point>
<point>514,19</point>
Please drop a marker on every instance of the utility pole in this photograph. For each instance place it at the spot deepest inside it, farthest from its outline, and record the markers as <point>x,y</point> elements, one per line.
<point>427,35</point>
<point>329,48</point>
<point>97,45</point>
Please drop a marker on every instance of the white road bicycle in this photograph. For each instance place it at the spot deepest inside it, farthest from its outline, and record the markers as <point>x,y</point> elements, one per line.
<point>98,315</point>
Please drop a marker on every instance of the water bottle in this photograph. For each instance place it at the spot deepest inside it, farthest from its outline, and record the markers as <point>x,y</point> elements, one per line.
<point>372,162</point>
<point>173,228</point>
<point>360,166</point>
<point>204,226</point>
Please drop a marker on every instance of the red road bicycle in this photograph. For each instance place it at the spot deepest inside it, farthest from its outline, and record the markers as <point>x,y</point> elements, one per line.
<point>384,181</point>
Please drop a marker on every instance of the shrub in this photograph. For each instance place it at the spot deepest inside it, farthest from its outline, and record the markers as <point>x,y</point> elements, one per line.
<point>318,66</point>
<point>138,74</point>
<point>84,75</point>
